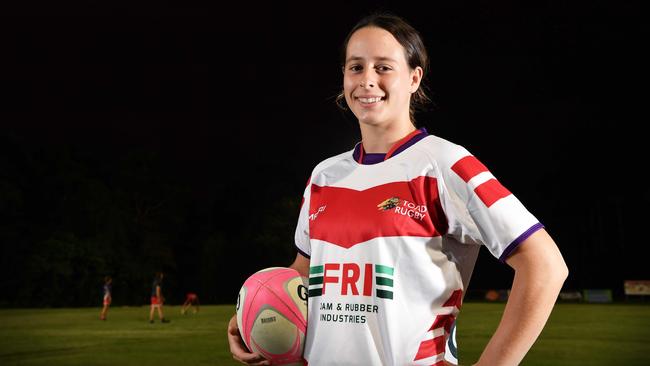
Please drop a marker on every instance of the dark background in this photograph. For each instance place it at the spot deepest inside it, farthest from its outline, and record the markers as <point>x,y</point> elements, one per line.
<point>178,137</point>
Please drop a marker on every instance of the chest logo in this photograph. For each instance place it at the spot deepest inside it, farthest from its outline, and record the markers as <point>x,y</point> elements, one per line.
<point>404,208</point>
<point>351,279</point>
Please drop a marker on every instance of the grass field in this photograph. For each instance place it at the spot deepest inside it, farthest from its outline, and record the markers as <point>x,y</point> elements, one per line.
<point>576,334</point>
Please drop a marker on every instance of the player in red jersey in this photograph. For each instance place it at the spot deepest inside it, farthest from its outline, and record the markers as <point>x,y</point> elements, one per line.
<point>191,301</point>
<point>108,285</point>
<point>157,298</point>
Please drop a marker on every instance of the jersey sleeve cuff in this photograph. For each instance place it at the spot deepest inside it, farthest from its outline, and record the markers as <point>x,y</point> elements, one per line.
<point>302,253</point>
<point>515,244</point>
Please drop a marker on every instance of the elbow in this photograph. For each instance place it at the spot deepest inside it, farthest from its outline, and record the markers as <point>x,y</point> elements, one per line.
<point>556,267</point>
<point>560,271</point>
<point>565,271</point>
<point>563,275</point>
<point>553,272</point>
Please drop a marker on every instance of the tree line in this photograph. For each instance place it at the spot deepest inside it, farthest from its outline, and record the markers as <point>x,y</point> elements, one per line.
<point>70,216</point>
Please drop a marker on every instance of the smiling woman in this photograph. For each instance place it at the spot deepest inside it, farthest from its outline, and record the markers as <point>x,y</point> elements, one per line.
<point>378,81</point>
<point>375,53</point>
<point>407,247</point>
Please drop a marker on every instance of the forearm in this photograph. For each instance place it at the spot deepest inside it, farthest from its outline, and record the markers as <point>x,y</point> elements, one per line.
<point>540,272</point>
<point>529,305</point>
<point>301,264</point>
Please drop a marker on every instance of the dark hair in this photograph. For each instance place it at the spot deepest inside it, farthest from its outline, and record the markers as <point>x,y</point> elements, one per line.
<point>409,38</point>
<point>107,278</point>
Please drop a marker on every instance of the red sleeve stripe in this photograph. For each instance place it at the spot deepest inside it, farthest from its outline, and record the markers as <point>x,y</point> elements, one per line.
<point>491,191</point>
<point>468,167</point>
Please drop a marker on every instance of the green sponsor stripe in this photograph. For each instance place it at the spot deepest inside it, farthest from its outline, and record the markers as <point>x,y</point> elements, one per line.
<point>384,269</point>
<point>315,280</point>
<point>384,294</point>
<point>315,269</point>
<point>316,292</point>
<point>382,281</point>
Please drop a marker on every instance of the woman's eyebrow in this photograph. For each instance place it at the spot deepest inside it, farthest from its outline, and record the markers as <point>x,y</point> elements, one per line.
<point>359,58</point>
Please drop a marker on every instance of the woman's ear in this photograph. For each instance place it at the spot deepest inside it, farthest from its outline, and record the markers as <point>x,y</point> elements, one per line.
<point>416,79</point>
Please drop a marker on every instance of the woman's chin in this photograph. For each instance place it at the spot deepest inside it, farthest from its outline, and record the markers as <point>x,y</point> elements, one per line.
<point>370,119</point>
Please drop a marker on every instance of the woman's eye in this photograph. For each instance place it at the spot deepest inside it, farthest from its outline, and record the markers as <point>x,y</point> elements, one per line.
<point>383,68</point>
<point>355,68</point>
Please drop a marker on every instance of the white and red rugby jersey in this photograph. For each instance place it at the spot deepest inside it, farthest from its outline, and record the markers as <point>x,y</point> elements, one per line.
<point>392,246</point>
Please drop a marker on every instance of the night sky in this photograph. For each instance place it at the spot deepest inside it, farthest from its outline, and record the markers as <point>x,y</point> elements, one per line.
<point>550,97</point>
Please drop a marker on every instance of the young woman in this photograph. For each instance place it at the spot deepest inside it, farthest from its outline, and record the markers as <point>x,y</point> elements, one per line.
<point>108,284</point>
<point>389,232</point>
<point>157,298</point>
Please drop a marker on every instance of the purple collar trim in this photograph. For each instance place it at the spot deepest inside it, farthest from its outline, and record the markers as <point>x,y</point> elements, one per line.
<point>374,158</point>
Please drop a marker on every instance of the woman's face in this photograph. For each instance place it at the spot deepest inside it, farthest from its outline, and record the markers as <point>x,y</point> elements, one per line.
<point>377,80</point>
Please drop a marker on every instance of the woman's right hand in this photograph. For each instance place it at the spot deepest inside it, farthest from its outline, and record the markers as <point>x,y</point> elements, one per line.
<point>238,348</point>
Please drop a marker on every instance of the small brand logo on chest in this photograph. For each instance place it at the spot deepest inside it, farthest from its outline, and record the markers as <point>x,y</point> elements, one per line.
<point>313,216</point>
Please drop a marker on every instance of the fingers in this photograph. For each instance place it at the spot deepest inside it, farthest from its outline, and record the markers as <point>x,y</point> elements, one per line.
<point>238,349</point>
<point>253,361</point>
<point>242,355</point>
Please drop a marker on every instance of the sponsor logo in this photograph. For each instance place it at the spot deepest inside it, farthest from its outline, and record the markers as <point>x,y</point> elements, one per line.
<point>404,208</point>
<point>352,279</point>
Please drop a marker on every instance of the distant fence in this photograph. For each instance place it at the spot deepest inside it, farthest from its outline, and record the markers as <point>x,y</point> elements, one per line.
<point>633,289</point>
<point>598,295</point>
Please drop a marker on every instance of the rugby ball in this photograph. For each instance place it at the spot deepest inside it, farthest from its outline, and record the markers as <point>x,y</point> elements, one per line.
<point>272,314</point>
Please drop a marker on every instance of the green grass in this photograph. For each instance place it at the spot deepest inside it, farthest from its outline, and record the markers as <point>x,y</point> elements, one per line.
<point>77,337</point>
<point>576,334</point>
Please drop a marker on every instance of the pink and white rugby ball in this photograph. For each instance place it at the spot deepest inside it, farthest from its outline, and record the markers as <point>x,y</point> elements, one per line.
<point>272,314</point>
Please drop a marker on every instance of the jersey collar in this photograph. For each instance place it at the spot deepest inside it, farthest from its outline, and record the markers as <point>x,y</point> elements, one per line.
<point>361,157</point>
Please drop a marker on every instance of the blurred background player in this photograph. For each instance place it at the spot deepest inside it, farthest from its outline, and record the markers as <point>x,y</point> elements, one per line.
<point>157,298</point>
<point>191,301</point>
<point>108,285</point>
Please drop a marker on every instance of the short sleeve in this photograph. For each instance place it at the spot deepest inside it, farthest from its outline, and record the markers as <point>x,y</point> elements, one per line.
<point>302,228</point>
<point>480,209</point>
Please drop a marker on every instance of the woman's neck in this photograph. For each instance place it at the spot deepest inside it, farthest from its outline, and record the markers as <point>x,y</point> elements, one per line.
<point>379,139</point>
